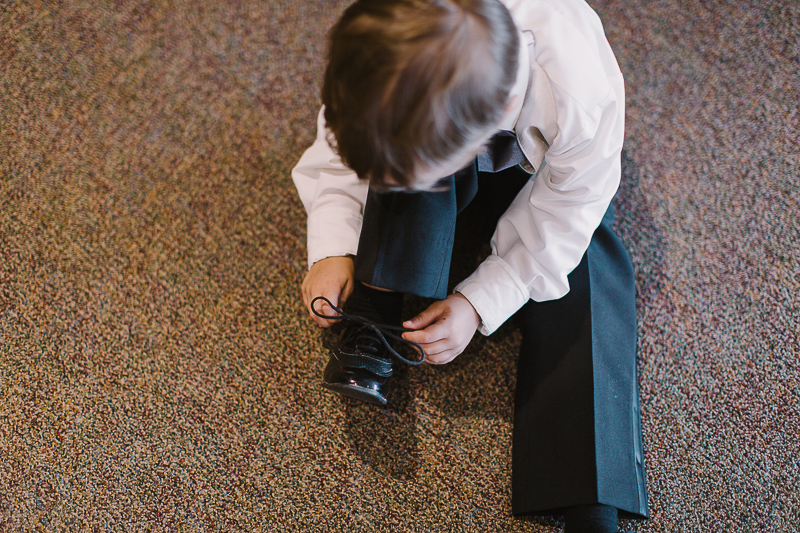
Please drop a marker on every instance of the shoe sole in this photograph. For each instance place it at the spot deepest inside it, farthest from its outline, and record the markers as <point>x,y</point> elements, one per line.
<point>359,393</point>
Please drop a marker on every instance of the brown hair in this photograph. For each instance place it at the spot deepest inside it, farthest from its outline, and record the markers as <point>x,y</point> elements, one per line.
<point>412,81</point>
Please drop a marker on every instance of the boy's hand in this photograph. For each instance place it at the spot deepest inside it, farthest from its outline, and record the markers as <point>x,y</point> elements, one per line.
<point>332,278</point>
<point>446,327</point>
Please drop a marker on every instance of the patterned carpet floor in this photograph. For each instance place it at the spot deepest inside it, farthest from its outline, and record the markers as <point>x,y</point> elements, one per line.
<point>158,372</point>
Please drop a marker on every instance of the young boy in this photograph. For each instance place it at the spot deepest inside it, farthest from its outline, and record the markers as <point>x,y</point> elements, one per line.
<point>450,99</point>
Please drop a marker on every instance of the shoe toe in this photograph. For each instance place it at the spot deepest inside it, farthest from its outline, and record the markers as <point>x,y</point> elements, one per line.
<point>356,383</point>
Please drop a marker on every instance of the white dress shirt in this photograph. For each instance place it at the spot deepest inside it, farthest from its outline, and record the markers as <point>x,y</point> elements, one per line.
<point>570,126</point>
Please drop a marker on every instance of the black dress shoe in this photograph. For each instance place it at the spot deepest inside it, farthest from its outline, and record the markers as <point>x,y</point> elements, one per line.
<point>360,366</point>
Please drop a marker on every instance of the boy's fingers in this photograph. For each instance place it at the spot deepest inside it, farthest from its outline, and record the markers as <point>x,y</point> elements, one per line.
<point>323,308</point>
<point>324,322</point>
<point>432,333</point>
<point>436,349</point>
<point>345,293</point>
<point>332,279</point>
<point>425,318</point>
<point>441,357</point>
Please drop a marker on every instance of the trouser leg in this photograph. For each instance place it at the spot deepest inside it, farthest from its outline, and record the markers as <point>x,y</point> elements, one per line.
<point>407,238</point>
<point>577,434</point>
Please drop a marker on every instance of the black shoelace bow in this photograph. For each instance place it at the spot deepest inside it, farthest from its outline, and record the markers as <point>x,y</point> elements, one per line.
<point>381,331</point>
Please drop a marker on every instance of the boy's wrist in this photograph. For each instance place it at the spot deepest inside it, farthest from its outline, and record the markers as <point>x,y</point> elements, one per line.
<point>477,315</point>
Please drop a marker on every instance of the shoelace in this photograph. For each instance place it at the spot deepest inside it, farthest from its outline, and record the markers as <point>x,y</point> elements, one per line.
<point>382,331</point>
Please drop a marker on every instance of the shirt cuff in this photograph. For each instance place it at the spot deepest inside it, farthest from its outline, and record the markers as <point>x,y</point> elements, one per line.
<point>495,291</point>
<point>333,232</point>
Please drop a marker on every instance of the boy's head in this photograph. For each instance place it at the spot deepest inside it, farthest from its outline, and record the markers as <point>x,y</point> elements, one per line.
<point>415,85</point>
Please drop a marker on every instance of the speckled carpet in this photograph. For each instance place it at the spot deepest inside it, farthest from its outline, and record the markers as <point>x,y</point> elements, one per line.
<point>157,370</point>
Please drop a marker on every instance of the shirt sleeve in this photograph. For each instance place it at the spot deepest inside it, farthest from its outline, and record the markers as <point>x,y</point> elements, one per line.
<point>333,197</point>
<point>545,232</point>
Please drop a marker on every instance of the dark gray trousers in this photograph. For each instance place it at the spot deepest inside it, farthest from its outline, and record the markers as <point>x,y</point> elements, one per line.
<point>577,434</point>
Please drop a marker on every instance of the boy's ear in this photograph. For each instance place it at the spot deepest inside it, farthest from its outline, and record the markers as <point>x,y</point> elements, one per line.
<point>511,104</point>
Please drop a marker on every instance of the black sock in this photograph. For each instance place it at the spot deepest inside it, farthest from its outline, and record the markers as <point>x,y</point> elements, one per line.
<point>385,307</point>
<point>591,519</point>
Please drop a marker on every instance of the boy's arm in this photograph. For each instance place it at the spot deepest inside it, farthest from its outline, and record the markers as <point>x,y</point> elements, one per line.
<point>547,229</point>
<point>578,105</point>
<point>334,200</point>
<point>333,197</point>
